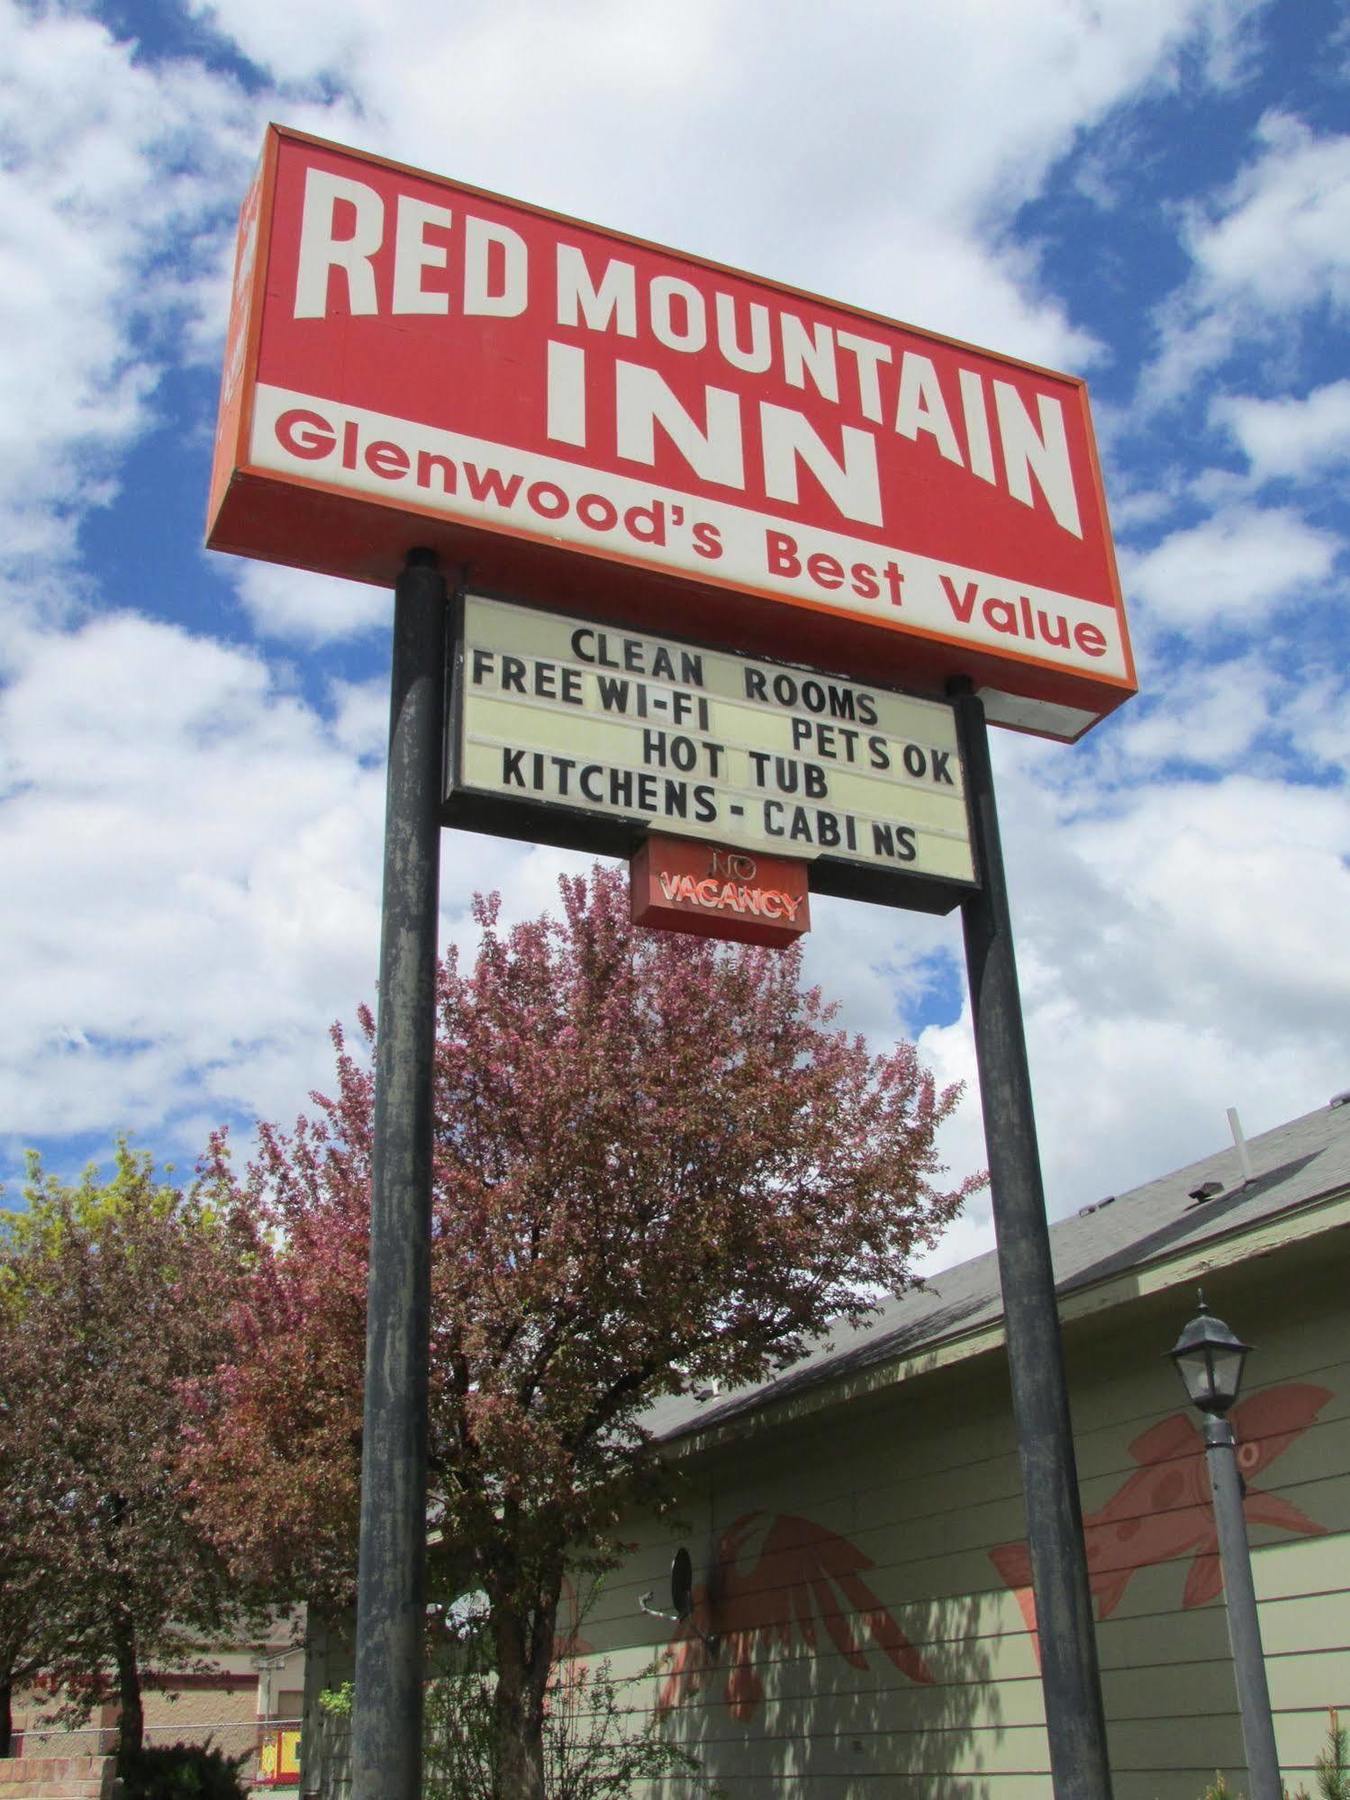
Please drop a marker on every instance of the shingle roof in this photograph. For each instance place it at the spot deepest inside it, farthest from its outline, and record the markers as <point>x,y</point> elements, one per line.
<point>1295,1164</point>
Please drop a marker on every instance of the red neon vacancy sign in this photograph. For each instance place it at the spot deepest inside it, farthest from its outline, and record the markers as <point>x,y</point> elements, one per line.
<point>585,417</point>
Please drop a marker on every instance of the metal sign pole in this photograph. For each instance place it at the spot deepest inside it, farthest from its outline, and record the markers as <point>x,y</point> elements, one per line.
<point>1244,1622</point>
<point>390,1608</point>
<point>1075,1718</point>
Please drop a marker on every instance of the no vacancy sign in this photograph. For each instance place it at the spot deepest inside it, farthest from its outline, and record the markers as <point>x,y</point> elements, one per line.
<point>586,419</point>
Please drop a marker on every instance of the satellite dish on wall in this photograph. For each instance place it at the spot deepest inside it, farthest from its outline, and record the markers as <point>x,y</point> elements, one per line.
<point>682,1583</point>
<point>682,1600</point>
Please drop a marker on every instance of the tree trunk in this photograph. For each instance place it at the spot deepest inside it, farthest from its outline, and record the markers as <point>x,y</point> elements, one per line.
<point>6,1716</point>
<point>524,1649</point>
<point>131,1717</point>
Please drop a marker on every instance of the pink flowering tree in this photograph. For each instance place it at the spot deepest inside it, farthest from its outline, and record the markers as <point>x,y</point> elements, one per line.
<point>658,1165</point>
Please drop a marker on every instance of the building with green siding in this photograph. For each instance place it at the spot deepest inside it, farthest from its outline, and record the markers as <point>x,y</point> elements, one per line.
<point>863,1623</point>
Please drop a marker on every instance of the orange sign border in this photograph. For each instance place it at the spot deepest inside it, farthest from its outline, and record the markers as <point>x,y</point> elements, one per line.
<point>271,515</point>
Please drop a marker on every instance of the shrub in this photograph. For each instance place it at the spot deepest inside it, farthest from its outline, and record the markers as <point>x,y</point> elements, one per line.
<point>183,1772</point>
<point>1333,1765</point>
<point>1332,1769</point>
<point>593,1748</point>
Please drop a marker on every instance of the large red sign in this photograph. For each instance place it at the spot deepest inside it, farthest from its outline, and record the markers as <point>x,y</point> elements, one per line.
<point>583,417</point>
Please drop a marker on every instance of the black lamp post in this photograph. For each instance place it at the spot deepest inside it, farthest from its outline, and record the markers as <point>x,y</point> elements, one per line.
<point>1209,1359</point>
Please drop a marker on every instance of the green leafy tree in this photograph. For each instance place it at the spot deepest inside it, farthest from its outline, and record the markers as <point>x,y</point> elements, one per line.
<point>23,1637</point>
<point>115,1293</point>
<point>658,1165</point>
<point>30,1627</point>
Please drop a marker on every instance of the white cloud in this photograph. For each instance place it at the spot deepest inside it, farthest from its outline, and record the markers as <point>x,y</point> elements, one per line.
<point>1272,244</point>
<point>880,964</point>
<point>1279,239</point>
<point>192,850</point>
<point>618,46</point>
<point>1320,714</point>
<point>1288,436</point>
<point>361,717</point>
<point>116,161</point>
<point>909,137</point>
<point>1164,951</point>
<point>194,859</point>
<point>1209,717</point>
<point>984,292</point>
<point>192,892</point>
<point>1233,569</point>
<point>191,888</point>
<point>296,607</point>
<point>108,163</point>
<point>1218,889</point>
<point>1243,712</point>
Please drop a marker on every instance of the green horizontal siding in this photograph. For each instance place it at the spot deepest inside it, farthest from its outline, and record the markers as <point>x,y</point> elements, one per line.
<point>923,1482</point>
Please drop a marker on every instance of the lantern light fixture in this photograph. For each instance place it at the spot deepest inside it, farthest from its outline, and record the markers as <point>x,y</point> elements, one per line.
<point>1209,1358</point>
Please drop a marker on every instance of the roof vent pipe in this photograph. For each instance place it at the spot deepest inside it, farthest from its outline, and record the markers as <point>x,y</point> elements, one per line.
<point>1240,1143</point>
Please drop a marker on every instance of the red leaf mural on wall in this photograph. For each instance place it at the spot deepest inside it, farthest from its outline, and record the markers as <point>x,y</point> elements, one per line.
<point>1163,1511</point>
<point>804,1575</point>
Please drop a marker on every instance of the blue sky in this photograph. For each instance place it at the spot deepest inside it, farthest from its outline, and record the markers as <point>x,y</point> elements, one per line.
<point>1152,193</point>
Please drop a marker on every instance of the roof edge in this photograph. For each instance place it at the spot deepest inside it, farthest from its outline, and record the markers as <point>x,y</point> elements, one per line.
<point>1079,1301</point>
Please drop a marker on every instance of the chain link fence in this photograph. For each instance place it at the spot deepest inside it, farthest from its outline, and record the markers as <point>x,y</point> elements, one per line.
<point>270,1749</point>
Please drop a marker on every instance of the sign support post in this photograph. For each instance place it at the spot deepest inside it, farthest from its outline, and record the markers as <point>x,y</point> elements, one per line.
<point>1070,1679</point>
<point>391,1610</point>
